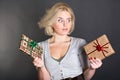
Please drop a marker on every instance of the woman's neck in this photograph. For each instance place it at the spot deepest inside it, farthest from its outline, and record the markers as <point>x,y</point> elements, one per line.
<point>59,39</point>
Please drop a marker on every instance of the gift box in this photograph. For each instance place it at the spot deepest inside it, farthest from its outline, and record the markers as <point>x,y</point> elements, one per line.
<point>99,48</point>
<point>30,47</point>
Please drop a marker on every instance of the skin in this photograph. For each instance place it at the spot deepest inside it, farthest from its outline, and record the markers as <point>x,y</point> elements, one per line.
<point>59,44</point>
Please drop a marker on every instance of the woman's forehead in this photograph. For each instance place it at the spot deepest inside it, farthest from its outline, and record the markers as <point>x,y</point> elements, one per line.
<point>63,14</point>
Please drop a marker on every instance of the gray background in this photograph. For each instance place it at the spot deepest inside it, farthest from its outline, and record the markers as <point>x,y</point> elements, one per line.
<point>93,18</point>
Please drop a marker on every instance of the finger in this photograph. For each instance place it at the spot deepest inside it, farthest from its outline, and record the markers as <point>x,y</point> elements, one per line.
<point>94,63</point>
<point>95,60</point>
<point>98,61</point>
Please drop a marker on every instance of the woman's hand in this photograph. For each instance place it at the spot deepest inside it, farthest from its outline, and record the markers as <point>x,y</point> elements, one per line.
<point>95,63</point>
<point>43,74</point>
<point>38,62</point>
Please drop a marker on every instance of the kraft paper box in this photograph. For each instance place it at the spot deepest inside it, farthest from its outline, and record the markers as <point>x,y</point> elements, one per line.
<point>30,47</point>
<point>99,48</point>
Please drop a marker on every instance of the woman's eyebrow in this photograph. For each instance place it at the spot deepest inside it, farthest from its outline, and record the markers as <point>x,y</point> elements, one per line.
<point>60,17</point>
<point>67,18</point>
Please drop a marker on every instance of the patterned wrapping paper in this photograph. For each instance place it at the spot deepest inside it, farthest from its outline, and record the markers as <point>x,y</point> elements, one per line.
<point>99,48</point>
<point>30,47</point>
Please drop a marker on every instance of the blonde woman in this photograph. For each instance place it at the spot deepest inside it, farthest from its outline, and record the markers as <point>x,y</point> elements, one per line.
<point>63,56</point>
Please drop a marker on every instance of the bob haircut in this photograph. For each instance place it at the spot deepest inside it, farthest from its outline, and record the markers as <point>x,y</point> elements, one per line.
<point>49,18</point>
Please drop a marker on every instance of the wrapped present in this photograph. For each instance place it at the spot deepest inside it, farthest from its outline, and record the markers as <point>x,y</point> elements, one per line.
<point>30,47</point>
<point>99,48</point>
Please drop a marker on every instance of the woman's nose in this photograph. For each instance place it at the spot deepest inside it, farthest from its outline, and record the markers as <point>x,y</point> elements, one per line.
<point>64,23</point>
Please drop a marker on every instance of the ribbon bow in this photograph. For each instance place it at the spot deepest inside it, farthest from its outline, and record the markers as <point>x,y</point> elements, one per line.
<point>32,44</point>
<point>99,47</point>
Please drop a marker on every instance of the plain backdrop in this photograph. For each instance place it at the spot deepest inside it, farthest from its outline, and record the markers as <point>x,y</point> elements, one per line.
<point>93,18</point>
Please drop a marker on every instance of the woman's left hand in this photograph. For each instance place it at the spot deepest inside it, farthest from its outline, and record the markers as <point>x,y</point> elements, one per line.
<point>95,63</point>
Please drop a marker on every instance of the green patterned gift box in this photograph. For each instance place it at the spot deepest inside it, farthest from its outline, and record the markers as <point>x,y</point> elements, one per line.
<point>30,47</point>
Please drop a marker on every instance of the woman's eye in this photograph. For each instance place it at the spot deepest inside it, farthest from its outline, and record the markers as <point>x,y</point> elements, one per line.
<point>60,20</point>
<point>69,20</point>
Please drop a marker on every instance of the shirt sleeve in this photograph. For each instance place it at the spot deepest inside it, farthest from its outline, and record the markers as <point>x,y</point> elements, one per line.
<point>85,60</point>
<point>83,56</point>
<point>41,45</point>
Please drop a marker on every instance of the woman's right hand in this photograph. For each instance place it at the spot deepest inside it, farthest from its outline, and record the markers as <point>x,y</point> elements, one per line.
<point>43,74</point>
<point>38,62</point>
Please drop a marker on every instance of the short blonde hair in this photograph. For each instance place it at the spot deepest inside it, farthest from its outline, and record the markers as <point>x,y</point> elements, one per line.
<point>48,19</point>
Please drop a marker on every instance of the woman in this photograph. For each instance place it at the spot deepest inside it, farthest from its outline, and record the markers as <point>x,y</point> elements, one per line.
<point>63,56</point>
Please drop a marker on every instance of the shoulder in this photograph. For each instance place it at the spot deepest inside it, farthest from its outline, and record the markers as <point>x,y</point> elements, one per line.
<point>79,40</point>
<point>43,43</point>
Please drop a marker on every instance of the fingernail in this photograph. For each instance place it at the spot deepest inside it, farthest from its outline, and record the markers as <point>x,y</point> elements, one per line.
<point>90,58</point>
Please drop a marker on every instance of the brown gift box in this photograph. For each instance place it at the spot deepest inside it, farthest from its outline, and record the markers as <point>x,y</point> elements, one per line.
<point>30,47</point>
<point>99,48</point>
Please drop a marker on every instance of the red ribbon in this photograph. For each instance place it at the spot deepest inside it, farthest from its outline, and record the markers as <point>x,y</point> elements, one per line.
<point>99,48</point>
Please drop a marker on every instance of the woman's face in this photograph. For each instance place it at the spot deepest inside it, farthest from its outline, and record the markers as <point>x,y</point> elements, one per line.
<point>63,23</point>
